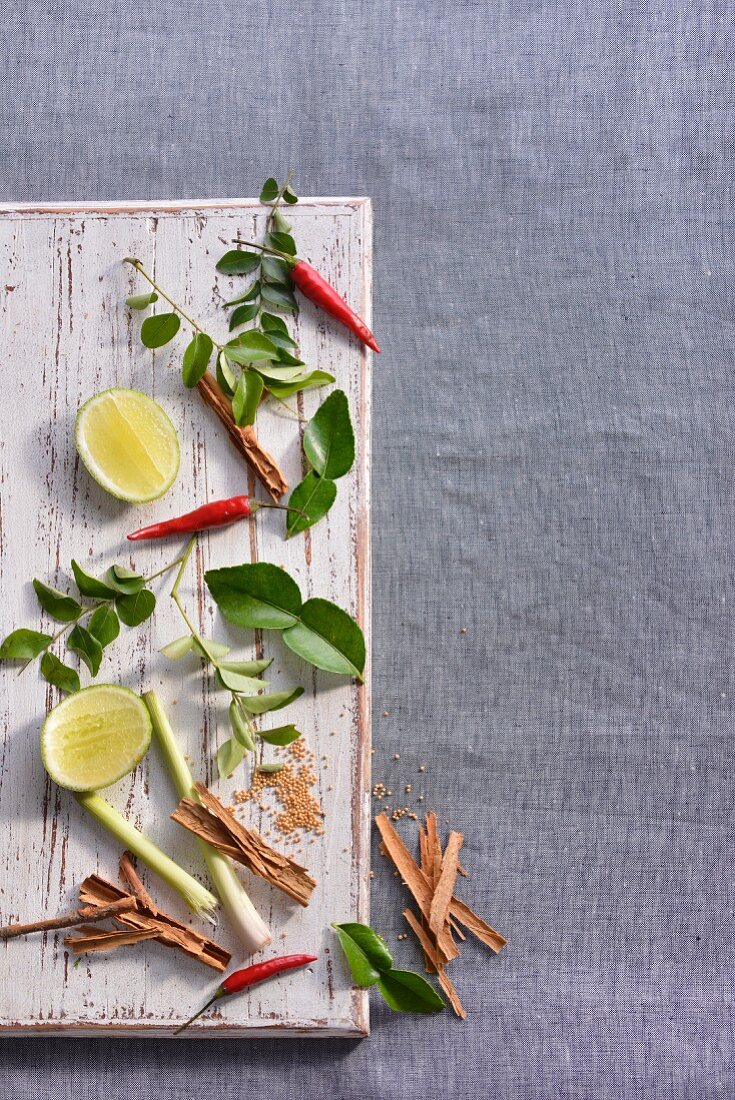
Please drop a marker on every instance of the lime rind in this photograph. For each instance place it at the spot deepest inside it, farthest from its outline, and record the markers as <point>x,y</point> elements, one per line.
<point>125,405</point>
<point>93,738</point>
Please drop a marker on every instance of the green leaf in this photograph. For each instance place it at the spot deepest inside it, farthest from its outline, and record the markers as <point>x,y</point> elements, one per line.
<point>282,226</point>
<point>282,735</point>
<point>104,625</point>
<point>270,769</point>
<point>275,700</point>
<point>59,605</point>
<point>363,972</point>
<point>290,196</point>
<point>248,296</point>
<point>230,754</point>
<point>370,942</point>
<point>282,242</point>
<point>240,728</point>
<point>247,398</point>
<point>280,298</point>
<point>225,376</point>
<point>141,301</point>
<point>329,441</point>
<point>136,608</point>
<point>24,645</point>
<point>279,373</point>
<point>83,642</point>
<point>124,580</point>
<point>269,191</point>
<point>328,638</point>
<point>238,262</point>
<point>258,595</point>
<point>405,991</point>
<point>278,271</point>
<point>217,649</point>
<point>159,329</point>
<point>90,586</point>
<point>250,346</point>
<point>234,681</point>
<point>315,496</point>
<point>243,314</point>
<point>196,359</point>
<point>304,382</point>
<point>276,327</point>
<point>59,674</point>
<point>289,360</point>
<point>178,648</point>
<point>247,668</point>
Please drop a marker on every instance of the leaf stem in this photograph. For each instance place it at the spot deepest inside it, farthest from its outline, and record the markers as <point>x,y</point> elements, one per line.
<point>175,597</point>
<point>142,271</point>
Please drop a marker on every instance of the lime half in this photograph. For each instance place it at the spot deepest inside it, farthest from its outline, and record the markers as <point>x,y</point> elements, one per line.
<point>95,737</point>
<point>128,444</point>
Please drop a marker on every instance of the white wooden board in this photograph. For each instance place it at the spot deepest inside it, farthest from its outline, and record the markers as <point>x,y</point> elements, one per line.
<point>66,334</point>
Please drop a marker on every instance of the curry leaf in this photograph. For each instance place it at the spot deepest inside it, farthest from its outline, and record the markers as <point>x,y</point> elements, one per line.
<point>405,991</point>
<point>246,399</point>
<point>280,297</point>
<point>303,382</point>
<point>250,346</point>
<point>277,271</point>
<point>364,973</point>
<point>282,735</point>
<point>241,727</point>
<point>225,376</point>
<point>282,242</point>
<point>238,262</point>
<point>90,586</point>
<point>59,605</point>
<point>230,754</point>
<point>258,595</point>
<point>83,642</point>
<point>159,329</point>
<point>269,190</point>
<point>280,222</point>
<point>136,608</point>
<point>246,668</point>
<point>104,625</point>
<point>124,580</point>
<point>141,301</point>
<point>313,496</point>
<point>329,638</point>
<point>247,296</point>
<point>236,682</point>
<point>290,196</point>
<point>196,359</point>
<point>243,314</point>
<point>59,674</point>
<point>24,645</point>
<point>275,700</point>
<point>178,648</point>
<point>329,441</point>
<point>370,942</point>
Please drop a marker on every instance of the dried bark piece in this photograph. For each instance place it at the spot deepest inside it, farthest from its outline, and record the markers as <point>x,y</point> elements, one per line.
<point>415,880</point>
<point>210,820</point>
<point>129,874</point>
<point>68,920</point>
<point>464,915</point>
<point>426,868</point>
<point>94,939</point>
<point>444,886</point>
<point>169,931</point>
<point>431,952</point>
<point>434,848</point>
<point>244,440</point>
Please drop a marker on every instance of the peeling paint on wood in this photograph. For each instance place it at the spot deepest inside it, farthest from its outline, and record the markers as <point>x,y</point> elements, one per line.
<point>66,334</point>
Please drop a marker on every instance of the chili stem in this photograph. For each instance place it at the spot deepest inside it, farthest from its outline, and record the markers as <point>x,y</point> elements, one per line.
<point>142,271</point>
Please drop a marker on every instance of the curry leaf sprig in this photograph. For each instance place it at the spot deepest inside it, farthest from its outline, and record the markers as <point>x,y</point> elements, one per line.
<point>329,447</point>
<point>264,597</point>
<point>120,596</point>
<point>371,963</point>
<point>242,680</point>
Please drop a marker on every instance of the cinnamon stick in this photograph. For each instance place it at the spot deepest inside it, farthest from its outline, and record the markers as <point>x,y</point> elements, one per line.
<point>432,954</point>
<point>444,886</point>
<point>69,920</point>
<point>209,820</point>
<point>92,939</point>
<point>263,465</point>
<point>129,874</point>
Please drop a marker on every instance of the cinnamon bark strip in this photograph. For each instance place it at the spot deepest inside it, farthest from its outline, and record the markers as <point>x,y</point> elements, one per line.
<point>92,939</point>
<point>464,915</point>
<point>444,887</point>
<point>129,874</point>
<point>69,920</point>
<point>425,865</point>
<point>434,847</point>
<point>415,880</point>
<point>168,931</point>
<point>431,952</point>
<point>244,440</point>
<point>209,820</point>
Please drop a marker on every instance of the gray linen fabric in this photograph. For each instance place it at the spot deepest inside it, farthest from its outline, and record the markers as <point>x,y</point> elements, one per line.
<point>554,458</point>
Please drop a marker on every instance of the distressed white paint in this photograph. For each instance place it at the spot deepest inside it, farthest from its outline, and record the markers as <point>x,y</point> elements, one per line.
<point>65,334</point>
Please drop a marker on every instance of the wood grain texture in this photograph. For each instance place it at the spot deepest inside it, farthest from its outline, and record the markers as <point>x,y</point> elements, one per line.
<point>66,333</point>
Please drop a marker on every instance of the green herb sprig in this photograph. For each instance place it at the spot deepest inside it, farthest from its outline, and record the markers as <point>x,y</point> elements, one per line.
<point>120,596</point>
<point>371,963</point>
<point>329,447</point>
<point>264,597</point>
<point>242,680</point>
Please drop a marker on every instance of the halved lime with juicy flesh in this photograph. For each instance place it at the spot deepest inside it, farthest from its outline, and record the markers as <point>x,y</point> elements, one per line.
<point>95,737</point>
<point>128,444</point>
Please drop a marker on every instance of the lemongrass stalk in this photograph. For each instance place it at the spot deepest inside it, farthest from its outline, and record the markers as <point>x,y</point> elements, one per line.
<point>196,896</point>
<point>246,922</point>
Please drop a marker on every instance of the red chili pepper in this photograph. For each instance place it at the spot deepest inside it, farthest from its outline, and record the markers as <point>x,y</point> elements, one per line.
<point>316,288</point>
<point>218,513</point>
<point>251,975</point>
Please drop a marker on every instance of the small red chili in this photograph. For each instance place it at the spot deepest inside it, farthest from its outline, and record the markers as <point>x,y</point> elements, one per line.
<point>251,975</point>
<point>316,288</point>
<point>218,513</point>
